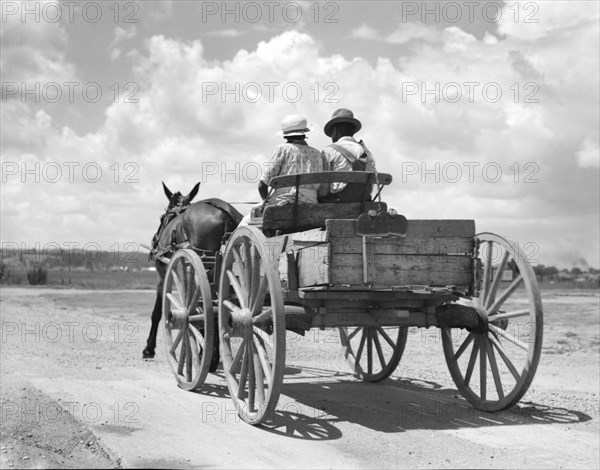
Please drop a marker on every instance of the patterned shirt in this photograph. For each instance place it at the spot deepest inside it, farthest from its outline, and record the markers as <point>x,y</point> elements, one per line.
<point>291,158</point>
<point>337,162</point>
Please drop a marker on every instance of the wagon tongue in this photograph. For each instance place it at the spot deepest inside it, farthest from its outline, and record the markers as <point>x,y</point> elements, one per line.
<point>381,225</point>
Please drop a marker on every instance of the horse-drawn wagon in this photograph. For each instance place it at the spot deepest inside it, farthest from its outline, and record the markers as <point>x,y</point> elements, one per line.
<point>365,270</point>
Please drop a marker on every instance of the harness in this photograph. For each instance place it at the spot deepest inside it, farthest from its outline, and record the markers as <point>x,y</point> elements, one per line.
<point>171,244</point>
<point>165,220</point>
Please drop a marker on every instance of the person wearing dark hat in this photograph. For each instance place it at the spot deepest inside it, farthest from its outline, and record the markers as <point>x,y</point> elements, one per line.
<point>346,154</point>
<point>293,156</point>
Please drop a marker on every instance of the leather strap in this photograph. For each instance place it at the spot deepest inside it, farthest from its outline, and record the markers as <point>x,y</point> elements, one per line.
<point>347,154</point>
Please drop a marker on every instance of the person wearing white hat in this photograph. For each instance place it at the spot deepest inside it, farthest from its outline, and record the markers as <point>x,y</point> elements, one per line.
<point>346,154</point>
<point>293,156</point>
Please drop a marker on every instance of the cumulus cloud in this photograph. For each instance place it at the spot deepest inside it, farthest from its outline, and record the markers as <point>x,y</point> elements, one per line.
<point>404,33</point>
<point>515,161</point>
<point>34,51</point>
<point>226,33</point>
<point>121,35</point>
<point>364,32</point>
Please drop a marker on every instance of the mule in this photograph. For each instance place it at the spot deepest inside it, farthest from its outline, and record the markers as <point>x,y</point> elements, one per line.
<point>202,225</point>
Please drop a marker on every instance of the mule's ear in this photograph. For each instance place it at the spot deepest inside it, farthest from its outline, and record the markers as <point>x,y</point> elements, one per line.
<point>167,192</point>
<point>193,192</point>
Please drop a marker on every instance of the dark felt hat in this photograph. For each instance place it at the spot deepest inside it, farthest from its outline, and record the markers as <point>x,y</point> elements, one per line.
<point>342,115</point>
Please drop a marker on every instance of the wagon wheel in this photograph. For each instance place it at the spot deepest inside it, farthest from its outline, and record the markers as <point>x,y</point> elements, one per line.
<point>251,324</point>
<point>508,341</point>
<point>373,352</point>
<point>189,319</point>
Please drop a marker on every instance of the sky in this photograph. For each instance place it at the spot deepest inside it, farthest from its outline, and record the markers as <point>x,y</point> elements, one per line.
<point>479,110</point>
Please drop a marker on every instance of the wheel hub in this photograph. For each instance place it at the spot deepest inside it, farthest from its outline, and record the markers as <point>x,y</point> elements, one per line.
<point>179,318</point>
<point>241,322</point>
<point>482,317</point>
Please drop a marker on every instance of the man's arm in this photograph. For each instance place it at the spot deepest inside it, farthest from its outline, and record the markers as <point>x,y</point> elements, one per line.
<point>273,169</point>
<point>263,189</point>
<point>323,187</point>
<point>370,160</point>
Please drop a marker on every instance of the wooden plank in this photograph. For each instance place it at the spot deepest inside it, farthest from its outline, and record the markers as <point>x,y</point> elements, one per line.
<point>450,315</point>
<point>403,269</point>
<point>310,216</point>
<point>377,296</point>
<point>308,236</point>
<point>317,265</point>
<point>300,179</point>
<point>368,260</point>
<point>313,265</point>
<point>402,246</point>
<point>419,229</point>
<point>405,262</point>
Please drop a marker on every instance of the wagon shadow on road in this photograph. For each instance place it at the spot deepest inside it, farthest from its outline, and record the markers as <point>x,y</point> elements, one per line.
<point>324,402</point>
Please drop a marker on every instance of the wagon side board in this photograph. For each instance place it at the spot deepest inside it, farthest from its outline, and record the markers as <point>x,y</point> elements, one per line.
<point>433,253</point>
<point>410,281</point>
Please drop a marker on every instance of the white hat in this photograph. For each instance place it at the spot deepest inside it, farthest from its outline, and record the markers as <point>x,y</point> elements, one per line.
<point>294,124</point>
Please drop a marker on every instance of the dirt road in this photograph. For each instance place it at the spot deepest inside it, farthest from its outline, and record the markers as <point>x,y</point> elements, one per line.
<point>75,392</point>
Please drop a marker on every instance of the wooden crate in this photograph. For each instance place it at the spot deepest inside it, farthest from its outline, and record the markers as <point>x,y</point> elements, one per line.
<point>434,253</point>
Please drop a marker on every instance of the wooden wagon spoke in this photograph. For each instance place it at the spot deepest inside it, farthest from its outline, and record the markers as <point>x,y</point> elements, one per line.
<point>189,278</point>
<point>179,287</point>
<point>255,275</point>
<point>369,351</point>
<point>188,359</point>
<point>491,296</point>
<point>464,346</point>
<point>230,305</point>
<point>243,281</point>
<point>247,264</point>
<point>264,316</point>
<point>264,337</point>
<point>236,288</point>
<point>261,293</point>
<point>386,336</point>
<point>176,343</point>
<point>482,367</point>
<point>353,334</point>
<point>198,336</point>
<point>360,347</point>
<point>251,377</point>
<point>505,335</point>
<point>236,360</point>
<point>182,354</point>
<point>258,369</point>
<point>472,360</point>
<point>379,350</point>
<point>506,316</point>
<point>505,295</point>
<point>264,360</point>
<point>243,372</point>
<point>494,367</point>
<point>193,302</point>
<point>175,301</point>
<point>487,272</point>
<point>507,361</point>
<point>344,336</point>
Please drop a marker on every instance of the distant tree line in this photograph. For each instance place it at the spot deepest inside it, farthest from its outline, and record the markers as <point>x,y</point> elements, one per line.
<point>553,273</point>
